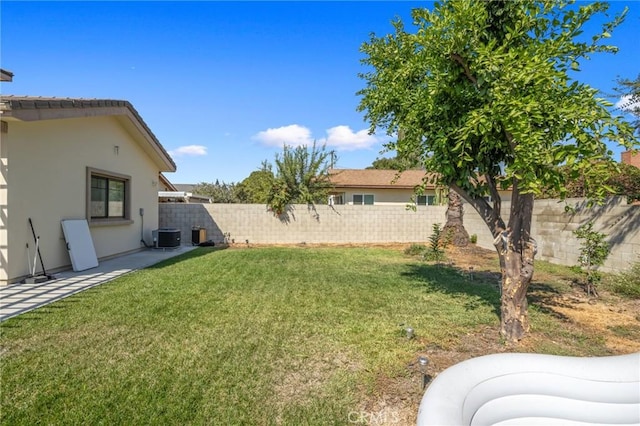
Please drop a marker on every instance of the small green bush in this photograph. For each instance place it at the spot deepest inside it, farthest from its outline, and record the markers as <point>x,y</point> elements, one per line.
<point>594,250</point>
<point>627,283</point>
<point>415,249</point>
<point>437,243</point>
<point>473,239</point>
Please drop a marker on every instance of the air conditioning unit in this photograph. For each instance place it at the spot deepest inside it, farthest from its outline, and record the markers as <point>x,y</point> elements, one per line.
<point>166,238</point>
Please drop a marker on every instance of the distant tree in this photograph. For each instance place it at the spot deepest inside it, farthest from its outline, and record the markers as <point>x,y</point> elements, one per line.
<point>482,91</point>
<point>402,161</point>
<point>255,188</point>
<point>630,91</point>
<point>626,182</point>
<point>218,192</point>
<point>623,180</point>
<point>387,164</point>
<point>302,176</point>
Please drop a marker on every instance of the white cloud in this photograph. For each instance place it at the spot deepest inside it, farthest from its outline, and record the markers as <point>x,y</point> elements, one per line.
<point>627,104</point>
<point>292,135</point>
<point>190,150</point>
<point>340,137</point>
<point>345,139</point>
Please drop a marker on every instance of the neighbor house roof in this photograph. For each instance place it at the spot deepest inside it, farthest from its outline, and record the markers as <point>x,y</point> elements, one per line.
<point>6,75</point>
<point>376,178</point>
<point>33,108</point>
<point>167,183</point>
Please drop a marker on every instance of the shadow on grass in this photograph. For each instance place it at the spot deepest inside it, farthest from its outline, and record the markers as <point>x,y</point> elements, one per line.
<point>544,297</point>
<point>193,254</point>
<point>453,281</point>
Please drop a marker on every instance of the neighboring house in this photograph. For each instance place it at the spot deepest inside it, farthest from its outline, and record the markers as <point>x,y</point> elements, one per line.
<point>181,193</point>
<point>165,184</point>
<point>6,75</point>
<point>75,159</point>
<point>376,186</point>
<point>386,187</point>
<point>631,157</point>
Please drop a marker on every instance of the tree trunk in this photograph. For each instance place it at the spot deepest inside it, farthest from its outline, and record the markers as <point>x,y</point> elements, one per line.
<point>454,226</point>
<point>516,250</point>
<point>517,271</point>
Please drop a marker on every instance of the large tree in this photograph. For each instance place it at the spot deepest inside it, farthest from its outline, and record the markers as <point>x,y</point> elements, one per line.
<point>482,89</point>
<point>255,188</point>
<point>219,192</point>
<point>302,176</point>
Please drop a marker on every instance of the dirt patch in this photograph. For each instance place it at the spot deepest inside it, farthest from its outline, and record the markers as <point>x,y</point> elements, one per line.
<point>395,400</point>
<point>601,317</point>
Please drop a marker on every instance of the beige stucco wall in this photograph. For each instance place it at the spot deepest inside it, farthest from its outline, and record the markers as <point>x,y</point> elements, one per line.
<point>46,179</point>
<point>394,197</point>
<point>4,231</point>
<point>397,197</point>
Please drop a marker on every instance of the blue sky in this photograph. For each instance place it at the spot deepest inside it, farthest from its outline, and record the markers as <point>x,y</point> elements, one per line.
<point>224,84</point>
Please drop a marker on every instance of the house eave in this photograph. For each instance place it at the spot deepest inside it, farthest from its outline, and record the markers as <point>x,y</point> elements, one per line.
<point>15,108</point>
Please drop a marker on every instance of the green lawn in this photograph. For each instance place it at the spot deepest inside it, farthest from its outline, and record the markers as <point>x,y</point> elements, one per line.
<point>252,336</point>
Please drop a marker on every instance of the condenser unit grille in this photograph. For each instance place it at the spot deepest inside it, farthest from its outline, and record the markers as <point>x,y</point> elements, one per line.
<point>166,238</point>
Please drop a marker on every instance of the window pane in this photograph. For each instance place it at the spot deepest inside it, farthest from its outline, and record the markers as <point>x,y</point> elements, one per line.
<point>108,197</point>
<point>98,182</point>
<point>431,200</point>
<point>116,198</point>
<point>98,197</point>
<point>421,200</point>
<point>357,198</point>
<point>368,199</point>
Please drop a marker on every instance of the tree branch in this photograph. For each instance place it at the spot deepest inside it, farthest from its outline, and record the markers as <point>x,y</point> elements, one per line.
<point>493,189</point>
<point>457,58</point>
<point>490,216</point>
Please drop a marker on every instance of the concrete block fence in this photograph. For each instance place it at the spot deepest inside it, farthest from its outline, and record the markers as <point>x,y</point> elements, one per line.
<point>552,226</point>
<point>302,224</point>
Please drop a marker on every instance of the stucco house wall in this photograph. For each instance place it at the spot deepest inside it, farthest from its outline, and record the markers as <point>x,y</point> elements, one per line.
<point>45,165</point>
<point>383,196</point>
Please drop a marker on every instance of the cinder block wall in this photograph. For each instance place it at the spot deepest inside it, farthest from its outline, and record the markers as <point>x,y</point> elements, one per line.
<point>552,226</point>
<point>321,224</point>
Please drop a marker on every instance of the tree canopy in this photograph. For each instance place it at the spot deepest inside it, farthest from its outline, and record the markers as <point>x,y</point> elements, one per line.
<point>482,90</point>
<point>219,192</point>
<point>255,188</point>
<point>302,176</point>
<point>630,91</point>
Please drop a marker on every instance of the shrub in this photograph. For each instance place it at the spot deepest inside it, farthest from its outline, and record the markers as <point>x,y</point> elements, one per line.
<point>473,239</point>
<point>437,243</point>
<point>627,283</point>
<point>594,250</point>
<point>415,249</point>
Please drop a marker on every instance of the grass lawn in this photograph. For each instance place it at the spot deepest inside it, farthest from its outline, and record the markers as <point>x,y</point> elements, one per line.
<point>255,336</point>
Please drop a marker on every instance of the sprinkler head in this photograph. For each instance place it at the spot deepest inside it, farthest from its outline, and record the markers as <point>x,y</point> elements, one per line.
<point>410,333</point>
<point>423,361</point>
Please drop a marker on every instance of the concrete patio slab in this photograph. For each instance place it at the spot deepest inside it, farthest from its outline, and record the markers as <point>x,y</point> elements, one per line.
<point>16,299</point>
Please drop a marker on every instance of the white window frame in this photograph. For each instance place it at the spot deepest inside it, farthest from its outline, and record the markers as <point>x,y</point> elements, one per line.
<point>363,201</point>
<point>429,200</point>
